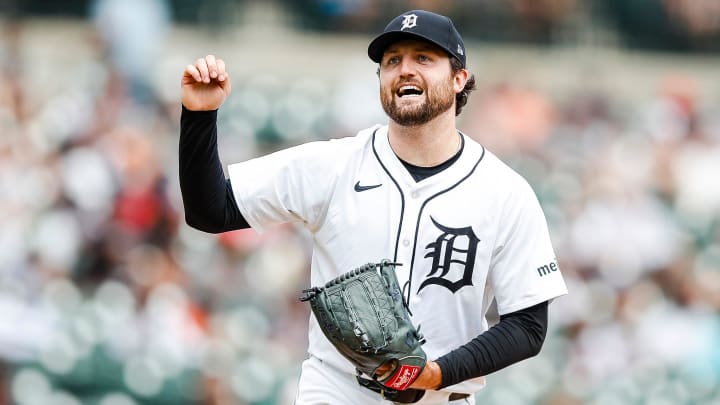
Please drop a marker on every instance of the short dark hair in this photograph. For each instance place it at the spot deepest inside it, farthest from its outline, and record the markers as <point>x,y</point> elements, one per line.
<point>462,97</point>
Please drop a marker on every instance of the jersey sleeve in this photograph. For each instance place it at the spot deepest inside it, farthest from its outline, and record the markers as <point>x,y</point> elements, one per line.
<point>524,270</point>
<point>291,185</point>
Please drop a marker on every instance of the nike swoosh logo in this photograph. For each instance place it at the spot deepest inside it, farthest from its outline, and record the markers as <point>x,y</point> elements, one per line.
<point>360,188</point>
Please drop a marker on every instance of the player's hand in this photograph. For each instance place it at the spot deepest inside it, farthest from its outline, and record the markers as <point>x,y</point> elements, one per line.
<point>430,378</point>
<point>205,84</point>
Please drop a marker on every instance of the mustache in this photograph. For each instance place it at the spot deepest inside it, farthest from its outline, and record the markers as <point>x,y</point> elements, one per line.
<point>396,87</point>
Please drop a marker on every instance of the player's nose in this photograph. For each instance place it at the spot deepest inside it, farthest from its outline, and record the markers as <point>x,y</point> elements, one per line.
<point>407,67</point>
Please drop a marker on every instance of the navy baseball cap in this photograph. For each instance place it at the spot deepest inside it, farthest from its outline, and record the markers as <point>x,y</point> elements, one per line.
<point>421,24</point>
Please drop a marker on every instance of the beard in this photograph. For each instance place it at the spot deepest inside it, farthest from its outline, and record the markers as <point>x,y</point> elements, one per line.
<point>438,99</point>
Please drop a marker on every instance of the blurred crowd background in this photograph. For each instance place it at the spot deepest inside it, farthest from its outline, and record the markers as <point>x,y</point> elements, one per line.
<point>611,109</point>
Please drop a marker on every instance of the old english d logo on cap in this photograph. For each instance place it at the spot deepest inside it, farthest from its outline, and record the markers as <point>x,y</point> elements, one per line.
<point>409,21</point>
<point>420,24</point>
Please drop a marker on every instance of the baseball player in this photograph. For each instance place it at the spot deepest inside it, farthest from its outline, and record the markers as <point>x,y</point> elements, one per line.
<point>467,229</point>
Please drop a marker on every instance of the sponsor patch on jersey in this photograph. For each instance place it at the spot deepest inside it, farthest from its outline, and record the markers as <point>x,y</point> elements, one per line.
<point>404,377</point>
<point>546,269</point>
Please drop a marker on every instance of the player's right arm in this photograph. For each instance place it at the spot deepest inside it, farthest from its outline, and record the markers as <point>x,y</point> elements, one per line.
<point>207,196</point>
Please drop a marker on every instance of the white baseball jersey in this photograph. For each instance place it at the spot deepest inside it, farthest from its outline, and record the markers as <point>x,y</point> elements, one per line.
<point>471,233</point>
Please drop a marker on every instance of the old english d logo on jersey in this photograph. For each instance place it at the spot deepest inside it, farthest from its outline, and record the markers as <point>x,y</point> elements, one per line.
<point>456,246</point>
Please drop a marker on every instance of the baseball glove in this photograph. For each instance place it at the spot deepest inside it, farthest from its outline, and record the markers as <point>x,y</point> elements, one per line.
<point>362,313</point>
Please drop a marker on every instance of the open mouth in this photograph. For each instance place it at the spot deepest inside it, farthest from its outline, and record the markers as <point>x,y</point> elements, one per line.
<point>409,91</point>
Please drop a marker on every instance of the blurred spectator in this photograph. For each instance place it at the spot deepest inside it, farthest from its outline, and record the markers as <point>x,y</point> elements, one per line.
<point>133,32</point>
<point>511,118</point>
<point>700,18</point>
<point>680,25</point>
<point>540,20</point>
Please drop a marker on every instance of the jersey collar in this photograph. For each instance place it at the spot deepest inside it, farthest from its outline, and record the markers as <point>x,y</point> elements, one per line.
<point>471,154</point>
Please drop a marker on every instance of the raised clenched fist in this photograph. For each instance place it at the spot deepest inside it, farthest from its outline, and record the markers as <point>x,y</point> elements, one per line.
<point>205,84</point>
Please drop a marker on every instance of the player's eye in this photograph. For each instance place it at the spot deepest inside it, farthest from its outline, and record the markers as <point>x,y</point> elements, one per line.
<point>423,58</point>
<point>393,60</point>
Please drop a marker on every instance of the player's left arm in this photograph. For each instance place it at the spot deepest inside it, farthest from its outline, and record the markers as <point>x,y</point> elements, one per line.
<point>518,336</point>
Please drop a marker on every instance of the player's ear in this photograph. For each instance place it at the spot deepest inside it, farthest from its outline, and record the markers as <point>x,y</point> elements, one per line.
<point>459,80</point>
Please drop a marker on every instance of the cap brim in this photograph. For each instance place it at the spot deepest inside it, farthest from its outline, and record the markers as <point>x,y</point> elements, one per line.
<point>377,47</point>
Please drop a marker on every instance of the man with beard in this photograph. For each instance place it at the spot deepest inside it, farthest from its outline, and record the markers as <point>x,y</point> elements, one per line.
<point>467,229</point>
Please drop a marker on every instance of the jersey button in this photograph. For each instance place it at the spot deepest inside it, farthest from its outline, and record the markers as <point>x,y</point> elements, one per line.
<point>406,242</point>
<point>415,195</point>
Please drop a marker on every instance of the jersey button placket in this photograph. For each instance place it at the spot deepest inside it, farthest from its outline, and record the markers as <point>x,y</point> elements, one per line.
<point>407,237</point>
<point>407,240</point>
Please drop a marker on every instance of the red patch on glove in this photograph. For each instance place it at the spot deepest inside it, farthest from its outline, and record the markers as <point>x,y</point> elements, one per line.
<point>403,377</point>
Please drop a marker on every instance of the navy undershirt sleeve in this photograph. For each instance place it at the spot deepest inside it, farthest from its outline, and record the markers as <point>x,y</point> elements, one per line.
<point>207,196</point>
<point>519,335</point>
